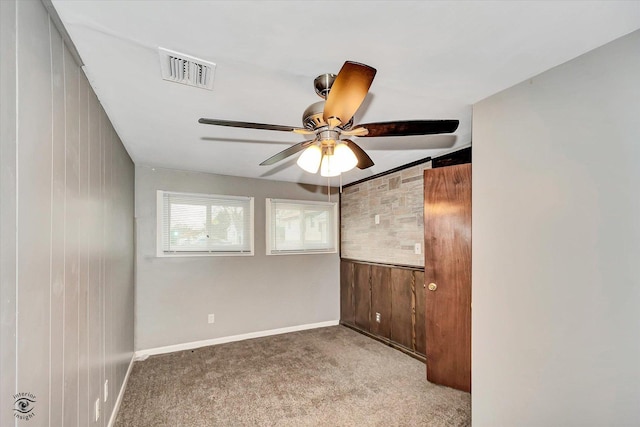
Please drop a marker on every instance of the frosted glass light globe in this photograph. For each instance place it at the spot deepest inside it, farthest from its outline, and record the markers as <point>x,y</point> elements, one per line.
<point>309,160</point>
<point>344,157</point>
<point>329,166</point>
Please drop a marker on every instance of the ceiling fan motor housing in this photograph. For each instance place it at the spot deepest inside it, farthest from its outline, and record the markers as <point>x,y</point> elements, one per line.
<point>312,118</point>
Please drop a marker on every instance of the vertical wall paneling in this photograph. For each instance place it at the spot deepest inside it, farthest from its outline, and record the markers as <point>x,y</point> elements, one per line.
<point>395,292</point>
<point>8,217</point>
<point>83,268</point>
<point>66,231</point>
<point>121,253</point>
<point>347,309</point>
<point>362,296</point>
<point>420,312</point>
<point>34,205</point>
<point>94,321</point>
<point>57,230</point>
<point>108,256</point>
<point>402,309</point>
<point>103,246</point>
<point>381,300</point>
<point>71,251</point>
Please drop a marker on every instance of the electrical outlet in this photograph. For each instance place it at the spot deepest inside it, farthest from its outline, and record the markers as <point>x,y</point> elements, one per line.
<point>417,248</point>
<point>376,219</point>
<point>212,318</point>
<point>97,409</point>
<point>106,390</point>
<point>378,317</point>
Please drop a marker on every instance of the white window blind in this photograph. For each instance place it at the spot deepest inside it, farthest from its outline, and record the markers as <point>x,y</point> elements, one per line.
<point>192,224</point>
<point>295,226</point>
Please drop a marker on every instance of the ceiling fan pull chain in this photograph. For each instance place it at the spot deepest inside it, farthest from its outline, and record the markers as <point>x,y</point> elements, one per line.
<point>329,189</point>
<point>340,183</point>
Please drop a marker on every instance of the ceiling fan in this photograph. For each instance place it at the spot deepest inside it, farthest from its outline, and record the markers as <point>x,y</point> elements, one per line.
<point>332,119</point>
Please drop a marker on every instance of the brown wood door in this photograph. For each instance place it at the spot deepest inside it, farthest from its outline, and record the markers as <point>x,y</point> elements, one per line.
<point>381,301</point>
<point>347,308</point>
<point>362,296</point>
<point>447,229</point>
<point>402,307</point>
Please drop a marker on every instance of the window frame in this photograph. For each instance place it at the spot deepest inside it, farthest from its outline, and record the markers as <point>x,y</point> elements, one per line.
<point>161,253</point>
<point>269,227</point>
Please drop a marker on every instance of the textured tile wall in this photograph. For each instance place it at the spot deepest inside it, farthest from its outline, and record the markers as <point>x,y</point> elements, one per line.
<point>398,199</point>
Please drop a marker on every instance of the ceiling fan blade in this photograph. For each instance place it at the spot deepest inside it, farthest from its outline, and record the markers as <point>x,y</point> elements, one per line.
<point>347,92</point>
<point>288,152</point>
<point>410,127</point>
<point>249,125</point>
<point>357,131</point>
<point>364,161</point>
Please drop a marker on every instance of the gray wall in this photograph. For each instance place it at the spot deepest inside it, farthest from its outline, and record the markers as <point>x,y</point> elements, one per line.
<point>174,295</point>
<point>556,245</point>
<point>398,198</point>
<point>66,231</point>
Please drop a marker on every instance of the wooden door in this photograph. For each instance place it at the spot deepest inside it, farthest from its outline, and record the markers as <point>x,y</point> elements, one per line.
<point>447,229</point>
<point>347,308</point>
<point>362,296</point>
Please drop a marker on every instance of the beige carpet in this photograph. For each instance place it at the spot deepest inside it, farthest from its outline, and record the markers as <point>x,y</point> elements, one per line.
<point>322,377</point>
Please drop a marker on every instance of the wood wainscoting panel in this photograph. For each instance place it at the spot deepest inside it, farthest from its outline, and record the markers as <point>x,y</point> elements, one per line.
<point>381,300</point>
<point>347,307</point>
<point>402,307</point>
<point>420,313</point>
<point>362,296</point>
<point>390,290</point>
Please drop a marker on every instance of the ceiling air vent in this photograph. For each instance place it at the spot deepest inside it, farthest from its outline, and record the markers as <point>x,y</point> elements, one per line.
<point>180,68</point>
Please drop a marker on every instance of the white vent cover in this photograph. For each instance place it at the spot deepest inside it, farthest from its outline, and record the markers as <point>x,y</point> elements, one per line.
<point>180,68</point>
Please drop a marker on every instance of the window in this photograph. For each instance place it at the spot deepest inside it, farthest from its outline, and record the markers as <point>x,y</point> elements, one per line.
<point>202,224</point>
<point>301,227</point>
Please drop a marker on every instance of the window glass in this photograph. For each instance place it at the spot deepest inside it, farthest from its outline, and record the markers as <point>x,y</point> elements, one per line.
<point>204,224</point>
<point>301,227</point>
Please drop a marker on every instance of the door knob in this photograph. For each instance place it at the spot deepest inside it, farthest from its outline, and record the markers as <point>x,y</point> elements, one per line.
<point>433,286</point>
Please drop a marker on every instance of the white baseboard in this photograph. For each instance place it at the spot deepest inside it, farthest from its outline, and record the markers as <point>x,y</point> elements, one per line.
<point>143,354</point>
<point>116,407</point>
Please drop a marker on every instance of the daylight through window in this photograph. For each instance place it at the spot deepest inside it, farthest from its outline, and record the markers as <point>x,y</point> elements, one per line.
<point>295,226</point>
<point>192,224</point>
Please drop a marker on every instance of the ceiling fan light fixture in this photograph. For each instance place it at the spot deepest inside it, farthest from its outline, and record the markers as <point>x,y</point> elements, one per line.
<point>332,119</point>
<point>309,160</point>
<point>344,157</point>
<point>329,166</point>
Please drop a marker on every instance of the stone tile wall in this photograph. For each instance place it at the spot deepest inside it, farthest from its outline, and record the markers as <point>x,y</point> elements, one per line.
<point>398,199</point>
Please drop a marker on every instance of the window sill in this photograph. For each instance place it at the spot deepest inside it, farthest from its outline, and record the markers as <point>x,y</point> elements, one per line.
<point>200,254</point>
<point>302,252</point>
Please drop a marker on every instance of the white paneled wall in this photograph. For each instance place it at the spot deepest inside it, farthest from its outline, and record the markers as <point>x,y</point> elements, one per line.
<point>66,232</point>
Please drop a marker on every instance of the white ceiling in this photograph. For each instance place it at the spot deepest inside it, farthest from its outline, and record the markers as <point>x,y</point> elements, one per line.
<point>434,60</point>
